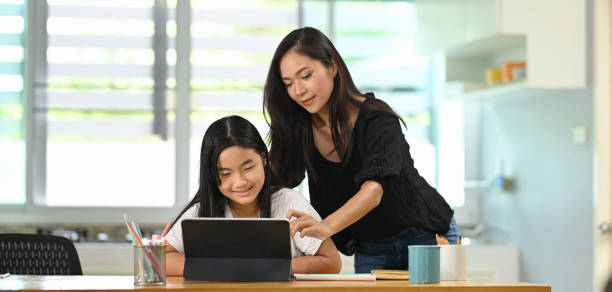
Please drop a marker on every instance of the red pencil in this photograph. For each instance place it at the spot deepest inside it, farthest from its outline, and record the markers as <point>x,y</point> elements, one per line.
<point>136,237</point>
<point>167,228</point>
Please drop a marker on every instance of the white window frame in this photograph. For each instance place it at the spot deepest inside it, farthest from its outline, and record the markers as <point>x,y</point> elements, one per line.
<point>36,131</point>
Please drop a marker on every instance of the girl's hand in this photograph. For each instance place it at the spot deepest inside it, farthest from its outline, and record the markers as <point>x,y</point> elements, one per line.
<point>306,225</point>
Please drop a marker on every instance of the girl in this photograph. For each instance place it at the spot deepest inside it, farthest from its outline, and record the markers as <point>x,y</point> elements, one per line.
<point>361,176</point>
<point>234,182</point>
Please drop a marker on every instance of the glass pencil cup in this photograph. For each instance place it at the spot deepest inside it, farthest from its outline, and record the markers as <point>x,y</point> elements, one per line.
<point>150,264</point>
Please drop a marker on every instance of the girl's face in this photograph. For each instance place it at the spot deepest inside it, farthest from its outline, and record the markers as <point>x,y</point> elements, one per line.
<point>241,175</point>
<point>308,82</point>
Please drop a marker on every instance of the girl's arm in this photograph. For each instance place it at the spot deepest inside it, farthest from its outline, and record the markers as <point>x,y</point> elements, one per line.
<point>325,261</point>
<point>175,261</point>
<point>366,199</point>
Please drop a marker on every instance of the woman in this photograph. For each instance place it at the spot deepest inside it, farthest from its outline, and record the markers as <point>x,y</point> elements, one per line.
<point>361,176</point>
<point>234,182</point>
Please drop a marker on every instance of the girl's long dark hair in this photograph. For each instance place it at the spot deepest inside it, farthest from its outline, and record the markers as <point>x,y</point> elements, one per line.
<point>290,135</point>
<point>224,133</point>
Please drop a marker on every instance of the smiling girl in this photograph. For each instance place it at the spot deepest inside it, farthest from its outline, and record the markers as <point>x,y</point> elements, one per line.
<point>234,183</point>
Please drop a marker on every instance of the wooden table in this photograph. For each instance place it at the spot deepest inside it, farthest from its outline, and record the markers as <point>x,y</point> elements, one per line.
<point>176,284</point>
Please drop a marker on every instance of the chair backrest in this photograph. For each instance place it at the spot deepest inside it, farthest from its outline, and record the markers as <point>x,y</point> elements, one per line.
<point>36,254</point>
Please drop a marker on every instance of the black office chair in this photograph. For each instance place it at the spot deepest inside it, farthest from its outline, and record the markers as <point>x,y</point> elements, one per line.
<point>36,254</point>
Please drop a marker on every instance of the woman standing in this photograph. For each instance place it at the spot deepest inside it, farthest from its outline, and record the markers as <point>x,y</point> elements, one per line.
<point>361,176</point>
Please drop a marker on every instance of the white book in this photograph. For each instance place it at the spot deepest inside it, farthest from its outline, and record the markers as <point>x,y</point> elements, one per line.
<point>335,277</point>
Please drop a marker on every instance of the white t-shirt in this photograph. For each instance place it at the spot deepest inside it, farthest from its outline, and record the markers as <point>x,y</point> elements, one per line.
<point>281,201</point>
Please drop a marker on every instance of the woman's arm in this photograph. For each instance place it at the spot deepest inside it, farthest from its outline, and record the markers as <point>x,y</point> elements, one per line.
<point>325,261</point>
<point>175,261</point>
<point>366,199</point>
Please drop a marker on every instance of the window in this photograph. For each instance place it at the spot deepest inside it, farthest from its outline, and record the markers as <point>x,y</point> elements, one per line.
<point>12,138</point>
<point>233,44</point>
<point>102,123</point>
<point>451,149</point>
<point>107,108</point>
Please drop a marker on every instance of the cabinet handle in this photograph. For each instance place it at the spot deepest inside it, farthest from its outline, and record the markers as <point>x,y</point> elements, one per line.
<point>605,227</point>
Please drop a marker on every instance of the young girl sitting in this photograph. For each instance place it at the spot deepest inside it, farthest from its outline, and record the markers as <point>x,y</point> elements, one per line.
<point>234,182</point>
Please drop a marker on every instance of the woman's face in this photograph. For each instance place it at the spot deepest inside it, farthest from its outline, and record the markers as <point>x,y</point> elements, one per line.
<point>241,175</point>
<point>308,82</point>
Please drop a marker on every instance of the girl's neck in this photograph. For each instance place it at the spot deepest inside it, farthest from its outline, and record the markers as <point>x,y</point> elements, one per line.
<point>240,211</point>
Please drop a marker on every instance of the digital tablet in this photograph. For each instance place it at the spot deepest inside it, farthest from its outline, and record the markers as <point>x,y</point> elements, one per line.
<point>237,249</point>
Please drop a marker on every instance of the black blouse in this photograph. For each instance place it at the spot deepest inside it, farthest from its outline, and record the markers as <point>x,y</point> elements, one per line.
<point>380,153</point>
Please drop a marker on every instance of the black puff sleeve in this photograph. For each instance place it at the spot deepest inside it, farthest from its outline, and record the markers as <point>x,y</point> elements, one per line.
<point>380,147</point>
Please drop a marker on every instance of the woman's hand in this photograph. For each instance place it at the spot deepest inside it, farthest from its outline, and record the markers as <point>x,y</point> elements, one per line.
<point>369,196</point>
<point>306,225</point>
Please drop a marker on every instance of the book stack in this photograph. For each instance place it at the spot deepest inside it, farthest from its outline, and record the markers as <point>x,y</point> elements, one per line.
<point>391,274</point>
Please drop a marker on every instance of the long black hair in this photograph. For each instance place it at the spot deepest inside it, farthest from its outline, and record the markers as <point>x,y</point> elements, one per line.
<point>223,133</point>
<point>290,135</point>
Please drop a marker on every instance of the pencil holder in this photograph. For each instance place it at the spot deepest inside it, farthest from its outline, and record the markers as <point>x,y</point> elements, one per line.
<point>453,263</point>
<point>150,264</point>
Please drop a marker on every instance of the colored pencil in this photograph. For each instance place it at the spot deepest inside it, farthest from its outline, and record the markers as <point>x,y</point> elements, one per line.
<point>125,219</point>
<point>167,228</point>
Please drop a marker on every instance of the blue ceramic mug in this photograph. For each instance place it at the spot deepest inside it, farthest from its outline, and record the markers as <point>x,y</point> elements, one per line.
<point>424,263</point>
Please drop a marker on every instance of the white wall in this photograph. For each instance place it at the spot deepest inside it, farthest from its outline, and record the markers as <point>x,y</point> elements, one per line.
<point>549,214</point>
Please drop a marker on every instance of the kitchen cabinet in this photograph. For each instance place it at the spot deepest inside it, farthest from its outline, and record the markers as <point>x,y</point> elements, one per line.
<point>549,35</point>
<point>479,25</point>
